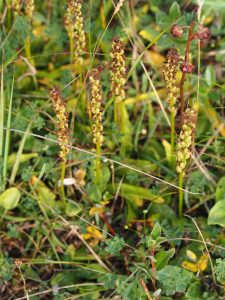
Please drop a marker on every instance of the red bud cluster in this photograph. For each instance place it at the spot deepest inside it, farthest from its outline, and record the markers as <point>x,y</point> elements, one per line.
<point>177,30</point>
<point>186,67</point>
<point>202,34</point>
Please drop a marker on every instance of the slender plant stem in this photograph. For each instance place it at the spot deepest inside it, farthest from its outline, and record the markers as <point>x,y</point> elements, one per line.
<point>102,15</point>
<point>181,194</point>
<point>172,139</point>
<point>122,126</point>
<point>115,112</point>
<point>7,139</point>
<point>98,152</point>
<point>1,116</point>
<point>183,76</point>
<point>62,179</point>
<point>71,53</point>
<point>27,49</point>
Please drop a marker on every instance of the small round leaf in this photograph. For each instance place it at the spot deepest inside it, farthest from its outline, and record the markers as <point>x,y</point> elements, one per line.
<point>10,198</point>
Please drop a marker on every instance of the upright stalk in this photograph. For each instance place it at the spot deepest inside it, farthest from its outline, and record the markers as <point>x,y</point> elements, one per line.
<point>62,180</point>
<point>184,74</point>
<point>115,112</point>
<point>102,15</point>
<point>98,152</point>
<point>122,130</point>
<point>181,194</point>
<point>71,53</point>
<point>172,138</point>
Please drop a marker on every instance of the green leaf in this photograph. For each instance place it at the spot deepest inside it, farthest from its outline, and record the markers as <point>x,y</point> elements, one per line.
<point>174,11</point>
<point>146,268</point>
<point>160,240</point>
<point>149,33</point>
<point>194,291</point>
<point>130,190</point>
<point>156,232</point>
<point>214,96</point>
<point>94,193</point>
<point>217,214</point>
<point>163,258</point>
<point>10,198</point>
<point>210,75</point>
<point>23,158</point>
<point>72,209</point>
<point>220,189</point>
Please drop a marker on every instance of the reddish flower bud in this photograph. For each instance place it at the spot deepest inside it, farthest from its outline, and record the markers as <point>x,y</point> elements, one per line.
<point>202,34</point>
<point>186,67</point>
<point>176,31</point>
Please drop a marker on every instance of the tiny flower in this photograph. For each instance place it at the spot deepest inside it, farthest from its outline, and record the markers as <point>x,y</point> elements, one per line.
<point>177,30</point>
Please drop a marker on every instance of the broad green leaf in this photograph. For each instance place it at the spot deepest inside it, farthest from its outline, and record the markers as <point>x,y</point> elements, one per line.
<point>142,165</point>
<point>94,193</point>
<point>194,291</point>
<point>132,209</point>
<point>217,214</point>
<point>72,209</point>
<point>23,158</point>
<point>149,33</point>
<point>163,209</point>
<point>162,20</point>
<point>166,298</point>
<point>174,11</point>
<point>156,232</point>
<point>220,189</point>
<point>160,240</point>
<point>45,195</point>
<point>167,147</point>
<point>214,96</point>
<point>210,75</point>
<point>130,190</point>
<point>163,258</point>
<point>10,198</point>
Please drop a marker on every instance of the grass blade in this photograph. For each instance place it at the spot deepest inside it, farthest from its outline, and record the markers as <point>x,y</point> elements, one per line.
<point>6,152</point>
<point>1,117</point>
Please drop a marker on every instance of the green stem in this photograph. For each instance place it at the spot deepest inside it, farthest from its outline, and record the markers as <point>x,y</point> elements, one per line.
<point>71,54</point>
<point>27,49</point>
<point>172,140</point>
<point>122,127</point>
<point>98,152</point>
<point>82,96</point>
<point>62,179</point>
<point>181,194</point>
<point>115,112</point>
